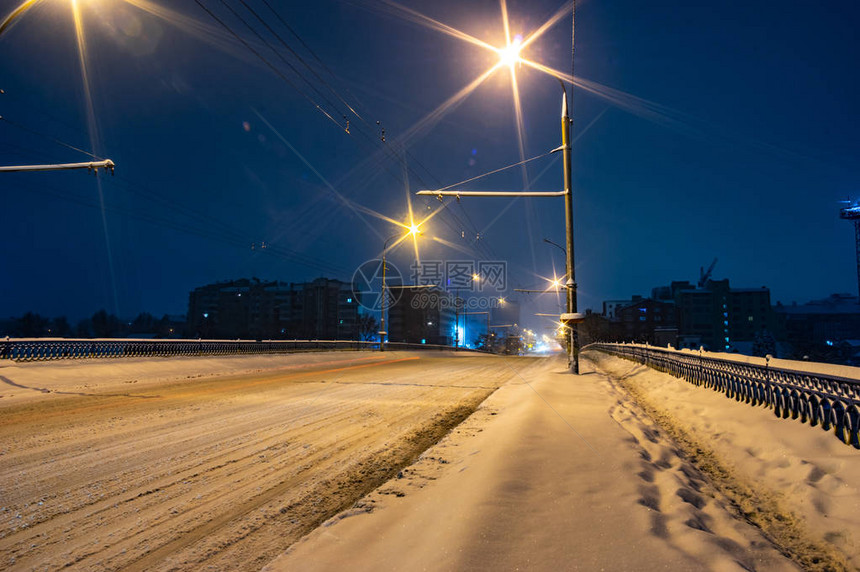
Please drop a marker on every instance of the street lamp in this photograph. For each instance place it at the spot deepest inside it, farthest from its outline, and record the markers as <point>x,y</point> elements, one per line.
<point>413,231</point>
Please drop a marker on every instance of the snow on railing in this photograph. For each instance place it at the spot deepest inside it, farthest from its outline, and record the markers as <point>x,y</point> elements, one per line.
<point>818,394</point>
<point>41,349</point>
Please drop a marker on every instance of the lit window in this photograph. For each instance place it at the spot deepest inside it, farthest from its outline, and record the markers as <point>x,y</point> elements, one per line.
<point>349,300</point>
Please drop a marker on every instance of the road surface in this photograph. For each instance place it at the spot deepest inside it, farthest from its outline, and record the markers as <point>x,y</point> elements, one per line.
<point>186,472</point>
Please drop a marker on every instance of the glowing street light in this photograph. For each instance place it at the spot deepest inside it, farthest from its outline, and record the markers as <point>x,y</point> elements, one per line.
<point>412,230</point>
<point>510,54</point>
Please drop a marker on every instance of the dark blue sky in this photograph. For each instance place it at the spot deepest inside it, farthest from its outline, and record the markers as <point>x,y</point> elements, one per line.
<point>724,130</point>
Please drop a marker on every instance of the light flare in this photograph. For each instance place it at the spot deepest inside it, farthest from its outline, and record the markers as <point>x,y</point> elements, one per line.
<point>510,54</point>
<point>448,105</point>
<point>560,13</point>
<point>430,23</point>
<point>205,32</point>
<point>413,231</point>
<point>412,226</point>
<point>459,247</point>
<point>94,138</point>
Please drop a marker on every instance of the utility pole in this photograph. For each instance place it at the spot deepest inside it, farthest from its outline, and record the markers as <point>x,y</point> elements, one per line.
<point>566,121</point>
<point>570,285</point>
<point>571,317</point>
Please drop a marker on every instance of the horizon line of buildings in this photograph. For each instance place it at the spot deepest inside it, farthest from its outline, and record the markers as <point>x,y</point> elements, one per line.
<point>709,314</point>
<point>328,308</point>
<point>718,317</point>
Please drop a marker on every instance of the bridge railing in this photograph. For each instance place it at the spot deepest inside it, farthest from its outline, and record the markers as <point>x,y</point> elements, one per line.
<point>41,349</point>
<point>818,394</point>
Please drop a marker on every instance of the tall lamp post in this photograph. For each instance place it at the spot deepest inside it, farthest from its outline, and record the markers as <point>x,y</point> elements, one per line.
<point>413,230</point>
<point>383,304</point>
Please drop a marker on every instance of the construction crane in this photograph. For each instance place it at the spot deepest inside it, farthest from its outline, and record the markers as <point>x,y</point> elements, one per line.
<point>852,212</point>
<point>705,275</point>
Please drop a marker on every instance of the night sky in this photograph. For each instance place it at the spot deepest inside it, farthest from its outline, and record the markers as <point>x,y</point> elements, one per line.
<point>702,130</point>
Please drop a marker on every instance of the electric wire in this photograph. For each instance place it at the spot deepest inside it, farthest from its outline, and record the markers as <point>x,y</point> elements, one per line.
<point>54,139</point>
<point>235,239</point>
<point>267,62</point>
<point>457,221</point>
<point>301,60</point>
<point>235,235</point>
<point>308,48</point>
<point>495,171</point>
<point>212,228</point>
<point>404,151</point>
<point>277,53</point>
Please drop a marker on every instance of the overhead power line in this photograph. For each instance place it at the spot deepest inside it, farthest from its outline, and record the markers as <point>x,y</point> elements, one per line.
<point>267,62</point>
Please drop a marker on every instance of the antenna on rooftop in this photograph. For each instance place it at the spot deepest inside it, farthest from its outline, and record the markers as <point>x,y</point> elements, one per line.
<point>852,212</point>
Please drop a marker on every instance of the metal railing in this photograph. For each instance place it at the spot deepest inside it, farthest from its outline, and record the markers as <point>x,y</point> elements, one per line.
<point>815,397</point>
<point>41,349</point>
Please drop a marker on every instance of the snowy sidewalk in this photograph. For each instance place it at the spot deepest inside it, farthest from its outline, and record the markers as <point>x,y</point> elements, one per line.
<point>556,472</point>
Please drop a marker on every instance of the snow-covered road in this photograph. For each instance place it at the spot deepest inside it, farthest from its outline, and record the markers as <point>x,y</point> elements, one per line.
<point>157,464</point>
